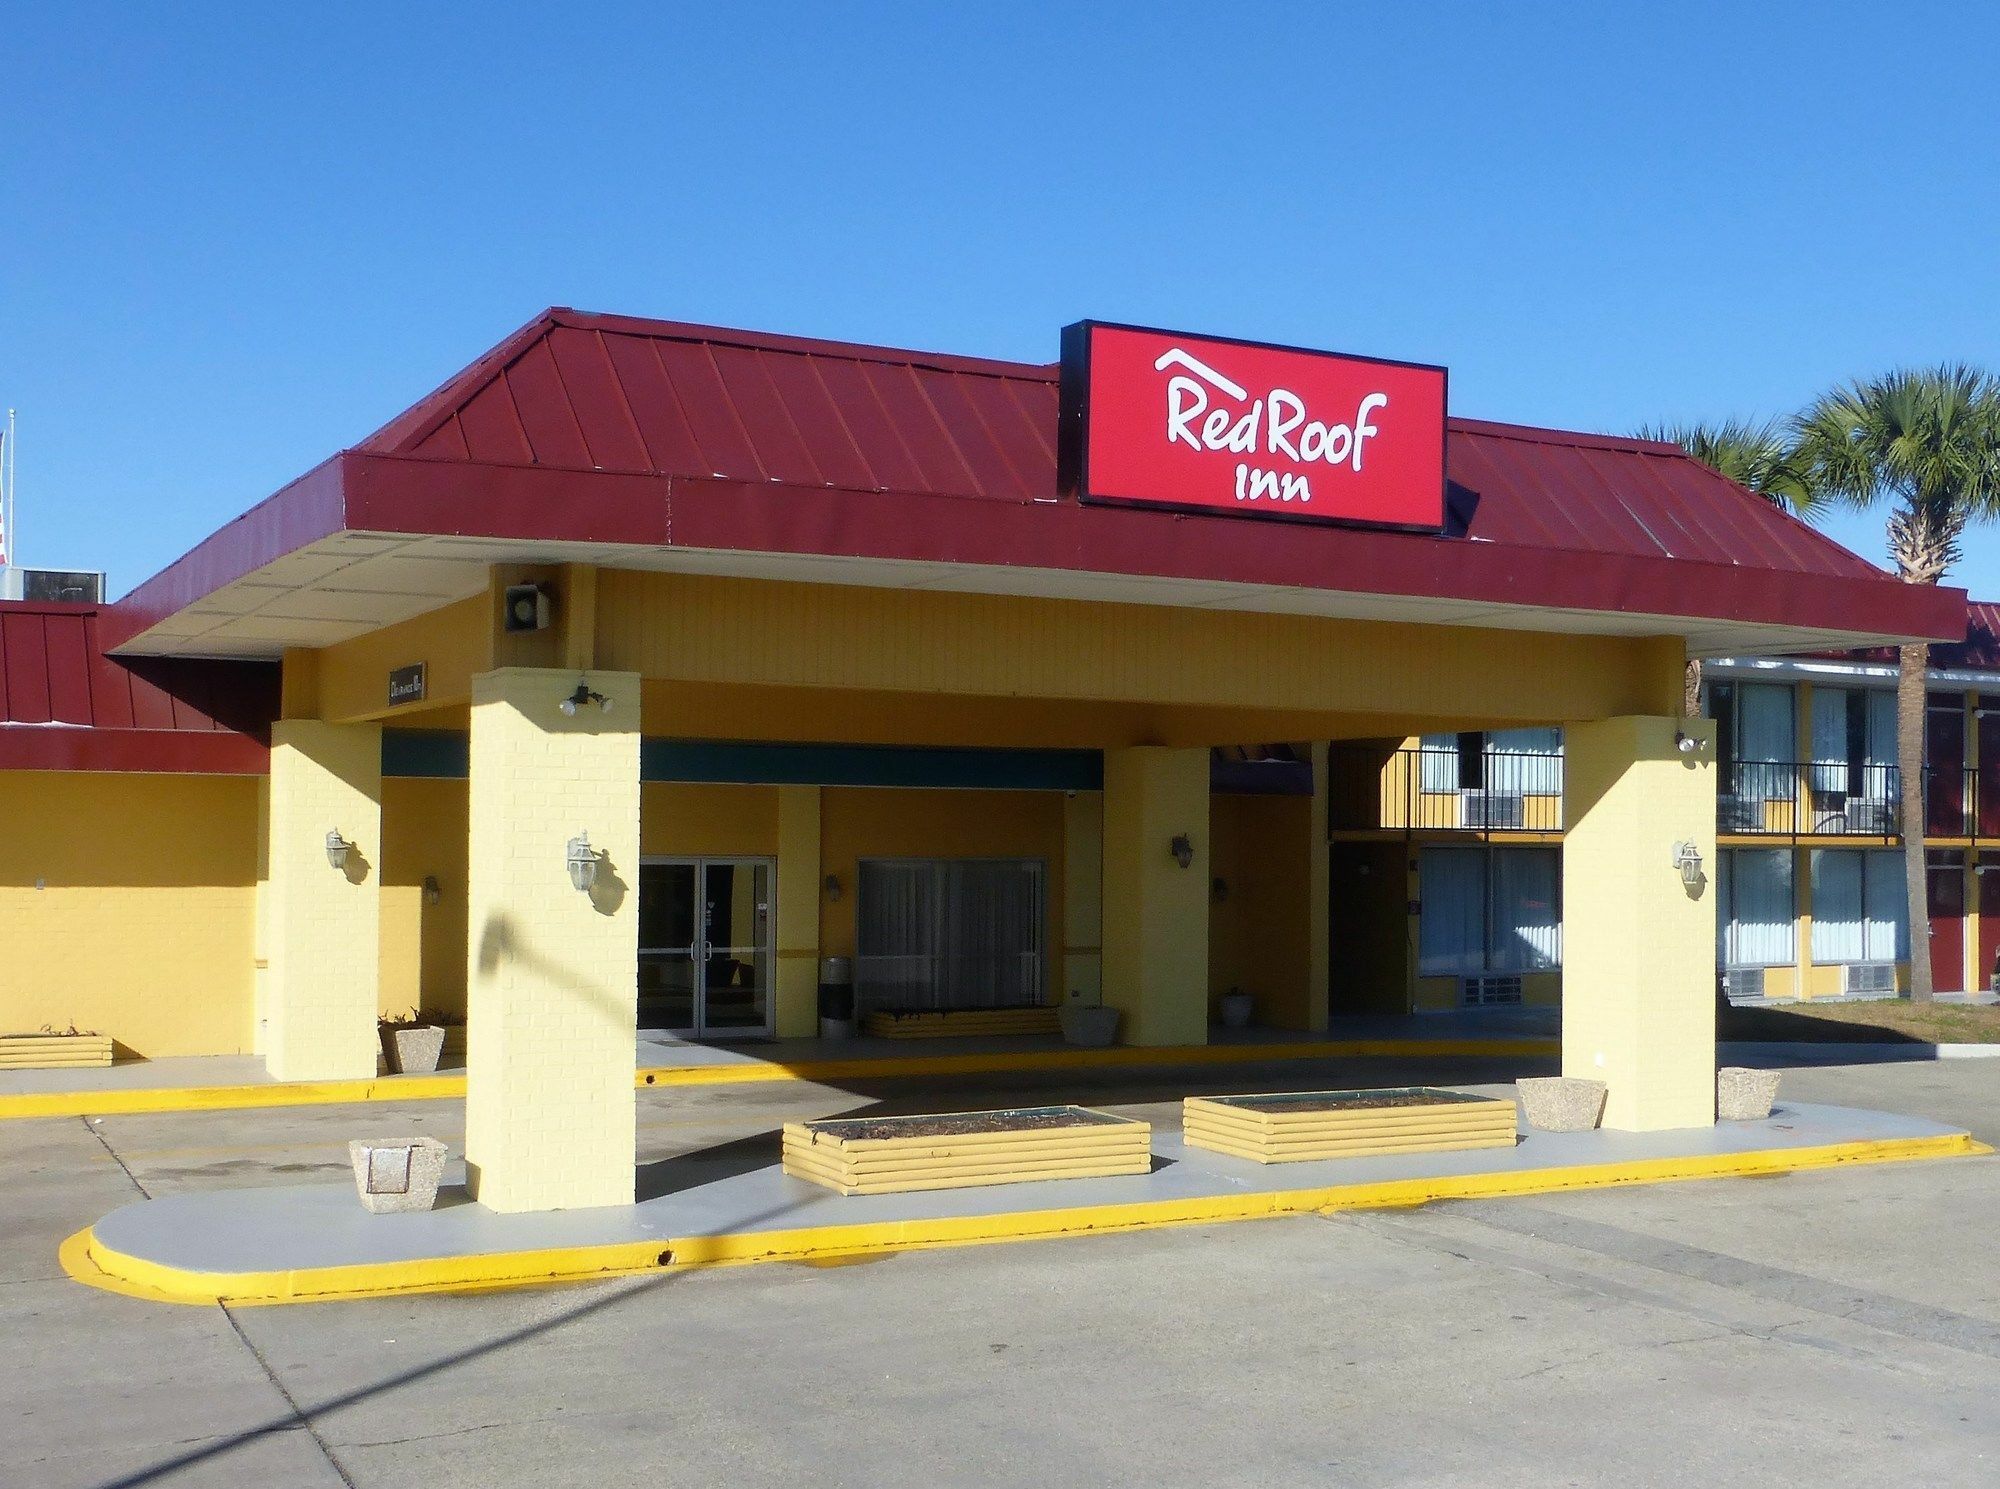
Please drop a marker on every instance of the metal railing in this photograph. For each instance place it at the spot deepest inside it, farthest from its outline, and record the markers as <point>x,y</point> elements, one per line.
<point>1383,787</point>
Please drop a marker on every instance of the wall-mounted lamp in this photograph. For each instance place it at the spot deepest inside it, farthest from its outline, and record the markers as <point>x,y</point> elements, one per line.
<point>583,697</point>
<point>433,892</point>
<point>1183,850</point>
<point>1218,889</point>
<point>1687,860</point>
<point>337,849</point>
<point>583,861</point>
<point>1686,743</point>
<point>833,886</point>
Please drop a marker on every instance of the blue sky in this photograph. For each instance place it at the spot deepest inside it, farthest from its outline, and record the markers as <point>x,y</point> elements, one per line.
<point>233,240</point>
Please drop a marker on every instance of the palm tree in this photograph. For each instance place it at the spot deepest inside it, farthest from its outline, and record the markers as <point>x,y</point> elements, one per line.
<point>1757,457</point>
<point>1925,443</point>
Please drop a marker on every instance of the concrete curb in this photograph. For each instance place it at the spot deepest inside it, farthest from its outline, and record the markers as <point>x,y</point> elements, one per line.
<point>88,1261</point>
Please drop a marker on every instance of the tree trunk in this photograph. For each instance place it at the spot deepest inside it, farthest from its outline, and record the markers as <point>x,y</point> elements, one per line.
<point>1691,689</point>
<point>1911,683</point>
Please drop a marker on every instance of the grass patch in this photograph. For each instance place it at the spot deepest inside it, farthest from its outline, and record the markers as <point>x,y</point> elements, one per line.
<point>1897,1022</point>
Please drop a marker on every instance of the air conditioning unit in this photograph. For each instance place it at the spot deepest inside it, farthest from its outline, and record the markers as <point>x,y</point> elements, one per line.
<point>1492,808</point>
<point>1868,977</point>
<point>85,585</point>
<point>1740,983</point>
<point>1739,814</point>
<point>1874,818</point>
<point>1489,989</point>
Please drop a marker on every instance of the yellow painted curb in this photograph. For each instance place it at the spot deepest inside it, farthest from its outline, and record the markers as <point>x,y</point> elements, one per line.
<point>128,1101</point>
<point>88,1261</point>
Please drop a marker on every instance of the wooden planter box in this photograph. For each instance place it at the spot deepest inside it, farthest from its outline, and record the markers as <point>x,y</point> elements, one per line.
<point>1293,1126</point>
<point>962,1021</point>
<point>46,1051</point>
<point>890,1155</point>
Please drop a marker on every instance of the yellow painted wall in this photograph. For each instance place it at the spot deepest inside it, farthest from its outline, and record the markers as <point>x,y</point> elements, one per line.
<point>694,821</point>
<point>870,822</point>
<point>128,906</point>
<point>423,946</point>
<point>452,642</point>
<point>1259,932</point>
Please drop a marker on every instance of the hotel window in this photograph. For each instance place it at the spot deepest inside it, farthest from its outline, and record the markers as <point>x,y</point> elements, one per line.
<point>1488,910</point>
<point>1525,762</point>
<point>1854,743</point>
<point>1859,906</point>
<point>949,933</point>
<point>1755,921</point>
<point>1757,726</point>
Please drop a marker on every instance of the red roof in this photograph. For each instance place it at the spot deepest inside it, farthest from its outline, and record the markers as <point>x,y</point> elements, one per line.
<point>609,430</point>
<point>1978,652</point>
<point>65,705</point>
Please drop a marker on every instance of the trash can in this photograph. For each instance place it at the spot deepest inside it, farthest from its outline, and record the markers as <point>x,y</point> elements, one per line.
<point>836,997</point>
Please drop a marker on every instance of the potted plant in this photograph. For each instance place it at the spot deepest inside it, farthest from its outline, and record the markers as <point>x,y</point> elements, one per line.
<point>1237,1008</point>
<point>411,1044</point>
<point>1084,1023</point>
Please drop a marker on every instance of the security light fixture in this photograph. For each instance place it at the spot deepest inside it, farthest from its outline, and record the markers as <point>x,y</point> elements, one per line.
<point>337,849</point>
<point>528,607</point>
<point>583,861</point>
<point>583,697</point>
<point>1183,850</point>
<point>1686,743</point>
<point>1687,859</point>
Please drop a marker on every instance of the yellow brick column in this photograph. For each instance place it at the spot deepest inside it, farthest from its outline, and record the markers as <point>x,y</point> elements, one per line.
<point>321,924</point>
<point>551,971</point>
<point>1083,897</point>
<point>1638,946</point>
<point>797,929</point>
<point>1156,912</point>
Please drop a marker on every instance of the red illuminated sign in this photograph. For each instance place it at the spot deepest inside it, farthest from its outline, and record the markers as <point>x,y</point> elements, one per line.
<point>1193,422</point>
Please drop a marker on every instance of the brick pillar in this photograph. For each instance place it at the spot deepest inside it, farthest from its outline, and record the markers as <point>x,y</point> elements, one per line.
<point>1155,961</point>
<point>321,924</point>
<point>797,928</point>
<point>551,971</point>
<point>1638,945</point>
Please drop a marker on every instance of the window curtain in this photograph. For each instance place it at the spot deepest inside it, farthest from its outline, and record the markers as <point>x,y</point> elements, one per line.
<point>1765,741</point>
<point>1440,762</point>
<point>1451,925</point>
<point>1887,902</point>
<point>1878,776</point>
<point>895,927</point>
<point>1756,895</point>
<point>1527,912</point>
<point>1526,760</point>
<point>1829,741</point>
<point>1839,930</point>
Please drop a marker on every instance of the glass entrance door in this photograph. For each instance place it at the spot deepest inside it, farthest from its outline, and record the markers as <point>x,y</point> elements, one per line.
<point>705,930</point>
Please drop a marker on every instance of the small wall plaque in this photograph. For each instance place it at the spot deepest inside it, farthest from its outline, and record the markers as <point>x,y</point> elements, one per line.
<point>406,684</point>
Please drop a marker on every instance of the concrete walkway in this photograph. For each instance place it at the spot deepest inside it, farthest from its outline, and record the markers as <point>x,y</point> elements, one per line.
<point>316,1242</point>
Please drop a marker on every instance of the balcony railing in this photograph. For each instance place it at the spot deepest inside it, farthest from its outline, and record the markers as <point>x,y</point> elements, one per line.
<point>1372,787</point>
<point>1378,787</point>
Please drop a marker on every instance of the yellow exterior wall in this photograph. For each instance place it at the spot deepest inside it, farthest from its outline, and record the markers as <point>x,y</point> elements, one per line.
<point>423,946</point>
<point>323,954</point>
<point>743,631</point>
<point>796,982</point>
<point>453,642</point>
<point>1083,897</point>
<point>1638,948</point>
<point>1260,931</point>
<point>858,822</point>
<point>549,1107</point>
<point>696,821</point>
<point>1156,911</point>
<point>128,907</point>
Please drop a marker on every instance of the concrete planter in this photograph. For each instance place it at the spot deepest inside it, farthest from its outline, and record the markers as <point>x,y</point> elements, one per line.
<point>399,1175</point>
<point>1236,1009</point>
<point>51,1051</point>
<point>832,1028</point>
<point>1295,1126</point>
<point>892,1155</point>
<point>412,1048</point>
<point>1561,1103</point>
<point>1086,1025</point>
<point>1744,1095</point>
<point>952,1022</point>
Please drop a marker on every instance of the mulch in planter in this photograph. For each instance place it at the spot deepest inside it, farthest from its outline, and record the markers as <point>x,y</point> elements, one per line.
<point>961,1124</point>
<point>1347,1101</point>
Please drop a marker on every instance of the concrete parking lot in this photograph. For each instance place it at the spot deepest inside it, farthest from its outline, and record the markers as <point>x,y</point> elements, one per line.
<point>1830,1328</point>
